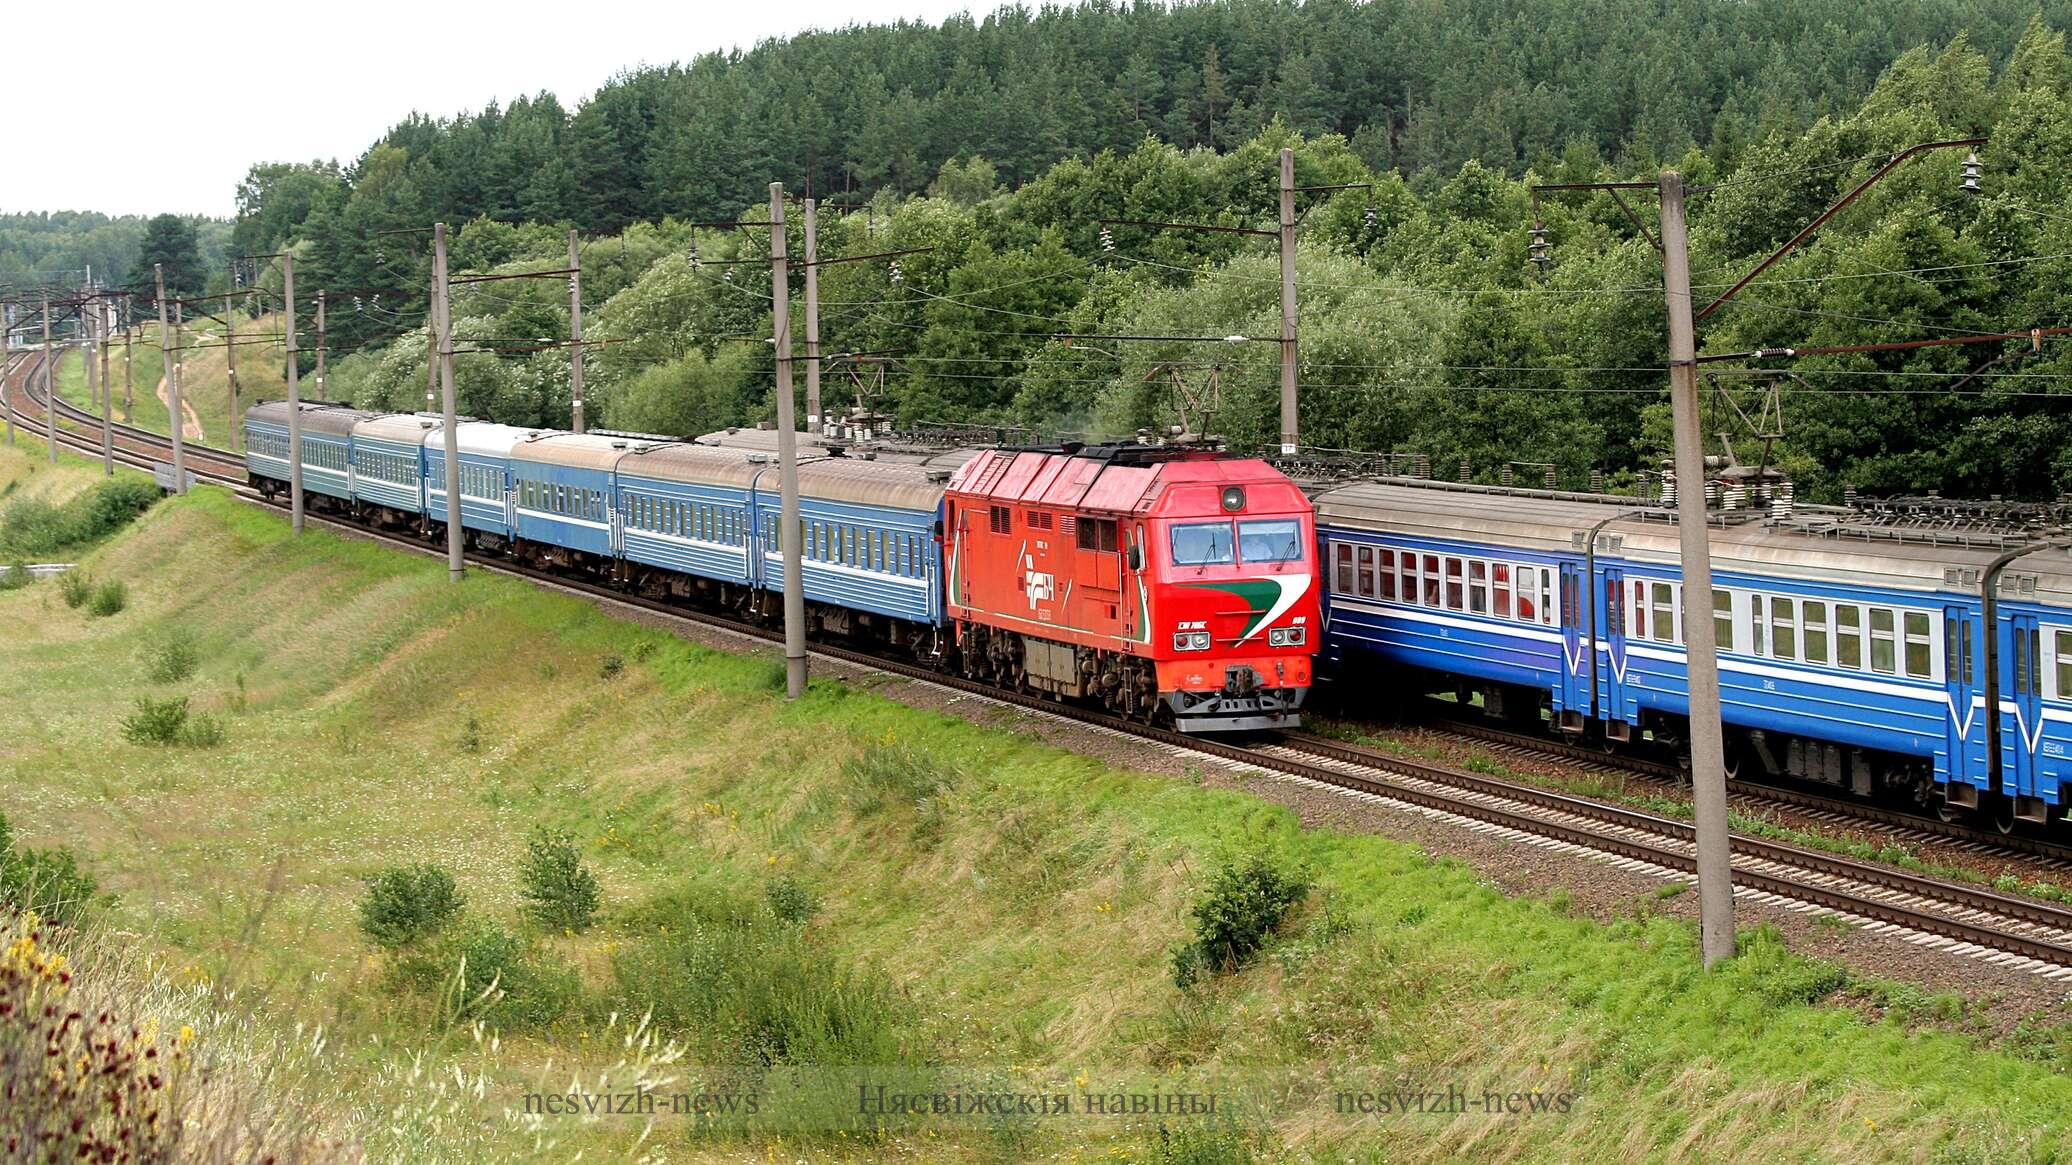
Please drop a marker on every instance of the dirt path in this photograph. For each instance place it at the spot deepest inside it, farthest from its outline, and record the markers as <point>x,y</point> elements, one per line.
<point>190,421</point>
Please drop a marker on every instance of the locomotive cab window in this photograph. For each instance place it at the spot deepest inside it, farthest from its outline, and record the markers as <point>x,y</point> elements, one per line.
<point>1270,540</point>
<point>1202,544</point>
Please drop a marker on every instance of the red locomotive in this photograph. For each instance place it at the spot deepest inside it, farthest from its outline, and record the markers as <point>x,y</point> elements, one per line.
<point>1158,581</point>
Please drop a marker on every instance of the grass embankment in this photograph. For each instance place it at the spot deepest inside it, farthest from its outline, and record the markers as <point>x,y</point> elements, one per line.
<point>850,879</point>
<point>205,383</point>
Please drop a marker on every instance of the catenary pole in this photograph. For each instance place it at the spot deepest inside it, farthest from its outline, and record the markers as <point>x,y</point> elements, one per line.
<point>176,421</point>
<point>321,348</point>
<point>1708,758</point>
<point>294,394</point>
<point>455,566</point>
<point>50,386</point>
<point>97,380</point>
<point>814,418</point>
<point>575,331</point>
<point>787,459</point>
<point>129,373</point>
<point>1290,405</point>
<point>237,424</point>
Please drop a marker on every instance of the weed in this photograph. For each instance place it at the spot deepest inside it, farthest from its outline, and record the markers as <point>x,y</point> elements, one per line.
<point>489,974</point>
<point>75,587</point>
<point>405,905</point>
<point>172,659</point>
<point>643,651</point>
<point>166,722</point>
<point>470,734</point>
<point>1245,900</point>
<point>47,883</point>
<point>1212,1141</point>
<point>611,666</point>
<point>108,599</point>
<point>892,773</point>
<point>1671,889</point>
<point>560,892</point>
<point>790,901</point>
<point>1561,901</point>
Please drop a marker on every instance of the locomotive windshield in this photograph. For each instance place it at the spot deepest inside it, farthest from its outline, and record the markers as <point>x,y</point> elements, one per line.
<point>1202,544</point>
<point>1269,540</point>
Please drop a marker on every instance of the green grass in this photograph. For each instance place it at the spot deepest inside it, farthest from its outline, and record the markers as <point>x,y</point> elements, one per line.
<point>205,384</point>
<point>1017,902</point>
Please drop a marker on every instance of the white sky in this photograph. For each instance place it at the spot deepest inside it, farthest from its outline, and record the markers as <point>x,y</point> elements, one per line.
<point>323,80</point>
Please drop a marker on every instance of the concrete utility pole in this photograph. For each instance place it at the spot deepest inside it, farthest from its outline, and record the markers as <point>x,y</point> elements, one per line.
<point>431,348</point>
<point>129,376</point>
<point>575,331</point>
<point>105,328</point>
<point>294,395</point>
<point>237,424</point>
<point>175,373</point>
<point>1291,406</point>
<point>1701,649</point>
<point>814,418</point>
<point>787,460</point>
<point>50,385</point>
<point>320,346</point>
<point>97,383</point>
<point>443,306</point>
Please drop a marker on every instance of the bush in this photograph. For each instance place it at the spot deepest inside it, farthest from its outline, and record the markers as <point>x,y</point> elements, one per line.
<point>34,527</point>
<point>172,659</point>
<point>76,587</point>
<point>108,599</point>
<point>488,974</point>
<point>405,905</point>
<point>560,891</point>
<point>1245,900</point>
<point>45,882</point>
<point>790,901</point>
<point>16,577</point>
<point>166,722</point>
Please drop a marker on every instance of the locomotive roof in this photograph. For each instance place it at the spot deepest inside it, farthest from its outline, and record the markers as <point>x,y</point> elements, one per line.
<point>317,416</point>
<point>1549,522</point>
<point>485,438</point>
<point>1108,478</point>
<point>813,444</point>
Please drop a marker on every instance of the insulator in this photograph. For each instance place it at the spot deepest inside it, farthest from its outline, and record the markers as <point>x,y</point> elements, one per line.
<point>1107,240</point>
<point>894,273</point>
<point>1540,250</point>
<point>1373,219</point>
<point>1971,174</point>
<point>695,260</point>
<point>729,275</point>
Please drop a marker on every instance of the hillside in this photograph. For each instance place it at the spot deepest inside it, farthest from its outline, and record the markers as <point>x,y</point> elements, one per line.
<point>206,383</point>
<point>952,897</point>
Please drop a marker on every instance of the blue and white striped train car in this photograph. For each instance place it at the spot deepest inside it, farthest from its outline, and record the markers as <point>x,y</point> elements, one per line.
<point>327,467</point>
<point>487,500</point>
<point>563,494</point>
<point>871,533</point>
<point>388,464</point>
<point>687,509</point>
<point>1848,656</point>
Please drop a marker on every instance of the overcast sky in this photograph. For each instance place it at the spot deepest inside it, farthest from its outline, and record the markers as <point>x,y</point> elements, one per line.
<point>323,80</point>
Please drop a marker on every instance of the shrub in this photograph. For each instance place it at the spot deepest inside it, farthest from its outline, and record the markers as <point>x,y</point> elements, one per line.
<point>45,882</point>
<point>790,901</point>
<point>108,599</point>
<point>76,587</point>
<point>165,722</point>
<point>470,734</point>
<point>560,891</point>
<point>1245,900</point>
<point>404,905</point>
<point>32,526</point>
<point>488,974</point>
<point>156,721</point>
<point>16,577</point>
<point>172,659</point>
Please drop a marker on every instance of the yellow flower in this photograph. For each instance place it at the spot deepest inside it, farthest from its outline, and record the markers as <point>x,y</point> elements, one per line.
<point>186,1034</point>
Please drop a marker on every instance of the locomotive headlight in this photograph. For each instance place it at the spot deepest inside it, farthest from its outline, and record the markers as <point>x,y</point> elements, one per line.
<point>1233,498</point>
<point>1287,636</point>
<point>1190,641</point>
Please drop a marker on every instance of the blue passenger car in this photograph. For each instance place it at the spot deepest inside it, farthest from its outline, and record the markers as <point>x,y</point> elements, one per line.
<point>326,446</point>
<point>563,495</point>
<point>1852,657</point>
<point>687,508</point>
<point>388,462</point>
<point>869,536</point>
<point>486,497</point>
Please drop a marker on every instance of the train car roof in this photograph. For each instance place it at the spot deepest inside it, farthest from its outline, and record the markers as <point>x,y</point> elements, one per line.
<point>571,450</point>
<point>1114,479</point>
<point>811,444</point>
<point>401,428</point>
<point>482,438</point>
<point>695,464</point>
<point>903,485</point>
<point>1818,544</point>
<point>317,416</point>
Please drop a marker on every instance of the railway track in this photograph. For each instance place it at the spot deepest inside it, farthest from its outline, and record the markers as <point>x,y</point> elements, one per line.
<point>2020,933</point>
